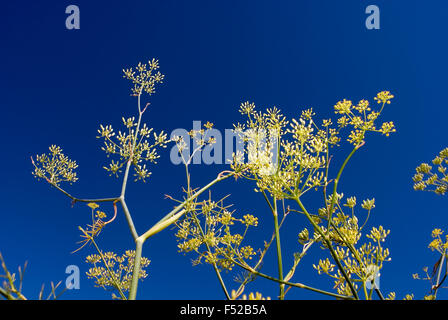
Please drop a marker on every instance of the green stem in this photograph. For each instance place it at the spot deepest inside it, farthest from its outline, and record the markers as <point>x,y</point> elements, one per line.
<point>128,218</point>
<point>371,293</point>
<point>125,178</point>
<point>267,201</point>
<point>74,199</point>
<point>336,181</point>
<point>260,261</point>
<point>279,251</point>
<point>442,261</point>
<point>297,258</point>
<point>194,196</point>
<point>380,295</point>
<point>162,225</point>
<point>136,272</point>
<point>128,167</point>
<point>365,290</point>
<point>221,281</point>
<point>5,294</point>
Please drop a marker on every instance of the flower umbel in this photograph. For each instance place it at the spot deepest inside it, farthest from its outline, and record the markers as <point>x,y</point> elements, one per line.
<point>429,179</point>
<point>54,167</point>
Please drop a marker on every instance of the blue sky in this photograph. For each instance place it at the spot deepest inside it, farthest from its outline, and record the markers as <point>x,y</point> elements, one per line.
<point>58,85</point>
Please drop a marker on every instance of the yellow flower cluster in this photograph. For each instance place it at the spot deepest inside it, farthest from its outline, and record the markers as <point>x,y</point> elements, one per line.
<point>134,145</point>
<point>256,296</point>
<point>202,138</point>
<point>112,271</point>
<point>363,119</point>
<point>438,243</point>
<point>436,278</point>
<point>144,78</point>
<point>435,181</point>
<point>55,167</point>
<point>288,158</point>
<point>208,230</point>
<point>361,260</point>
<point>384,97</point>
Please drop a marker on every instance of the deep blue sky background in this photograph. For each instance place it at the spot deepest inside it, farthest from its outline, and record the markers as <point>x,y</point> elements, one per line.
<point>58,85</point>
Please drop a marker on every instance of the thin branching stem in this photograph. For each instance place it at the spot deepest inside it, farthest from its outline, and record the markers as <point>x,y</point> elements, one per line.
<point>129,219</point>
<point>338,177</point>
<point>75,199</point>
<point>166,221</point>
